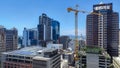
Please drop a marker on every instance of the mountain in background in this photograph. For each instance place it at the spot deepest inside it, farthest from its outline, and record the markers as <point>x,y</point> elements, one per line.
<point>83,37</point>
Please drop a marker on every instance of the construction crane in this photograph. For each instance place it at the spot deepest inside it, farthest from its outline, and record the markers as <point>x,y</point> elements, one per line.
<point>76,11</point>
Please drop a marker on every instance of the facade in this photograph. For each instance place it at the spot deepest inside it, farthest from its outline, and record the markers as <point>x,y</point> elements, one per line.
<point>51,60</point>
<point>116,60</point>
<point>8,39</point>
<point>94,58</point>
<point>94,61</point>
<point>48,29</point>
<point>11,39</point>
<point>55,30</point>
<point>44,28</point>
<point>2,40</point>
<point>31,57</point>
<point>119,42</point>
<point>30,37</point>
<point>64,40</point>
<point>20,45</point>
<point>102,31</point>
<point>69,57</point>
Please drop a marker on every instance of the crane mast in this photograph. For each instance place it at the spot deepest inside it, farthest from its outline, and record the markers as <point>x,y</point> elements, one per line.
<point>76,55</point>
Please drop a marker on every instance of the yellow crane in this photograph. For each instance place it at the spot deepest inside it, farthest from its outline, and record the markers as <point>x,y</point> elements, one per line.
<point>76,57</point>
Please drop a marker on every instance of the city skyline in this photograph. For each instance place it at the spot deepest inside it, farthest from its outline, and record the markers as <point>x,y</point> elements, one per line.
<point>26,13</point>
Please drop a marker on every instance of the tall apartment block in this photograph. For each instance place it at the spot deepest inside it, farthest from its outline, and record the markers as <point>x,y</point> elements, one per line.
<point>119,41</point>
<point>9,38</point>
<point>55,30</point>
<point>102,31</point>
<point>48,29</point>
<point>2,39</point>
<point>116,60</point>
<point>32,57</point>
<point>30,37</point>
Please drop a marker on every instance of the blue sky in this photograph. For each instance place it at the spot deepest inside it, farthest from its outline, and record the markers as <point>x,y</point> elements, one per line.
<point>25,13</point>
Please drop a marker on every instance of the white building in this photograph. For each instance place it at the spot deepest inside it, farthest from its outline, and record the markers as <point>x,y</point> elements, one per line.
<point>56,46</point>
<point>30,37</point>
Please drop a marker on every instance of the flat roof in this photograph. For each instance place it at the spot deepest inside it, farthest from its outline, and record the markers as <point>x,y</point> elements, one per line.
<point>90,49</point>
<point>93,50</point>
<point>27,51</point>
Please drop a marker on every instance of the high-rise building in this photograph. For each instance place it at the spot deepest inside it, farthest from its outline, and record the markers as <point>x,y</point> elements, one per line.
<point>44,28</point>
<point>8,39</point>
<point>65,41</point>
<point>102,31</point>
<point>30,37</point>
<point>48,29</point>
<point>116,60</point>
<point>2,39</point>
<point>11,39</point>
<point>69,56</point>
<point>119,42</point>
<point>32,57</point>
<point>20,38</point>
<point>55,30</point>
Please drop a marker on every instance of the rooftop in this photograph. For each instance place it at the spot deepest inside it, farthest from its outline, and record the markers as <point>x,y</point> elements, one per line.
<point>94,50</point>
<point>29,51</point>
